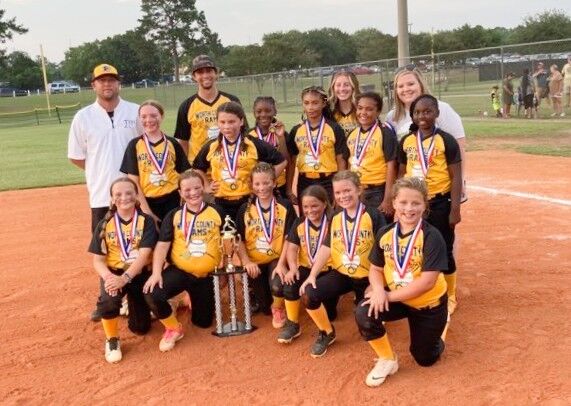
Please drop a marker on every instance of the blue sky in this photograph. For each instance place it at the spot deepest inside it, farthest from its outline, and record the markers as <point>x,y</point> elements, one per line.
<point>59,24</point>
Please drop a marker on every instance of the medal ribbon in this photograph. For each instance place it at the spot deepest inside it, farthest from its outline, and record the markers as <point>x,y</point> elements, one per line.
<point>270,138</point>
<point>320,237</point>
<point>401,263</point>
<point>187,230</point>
<point>360,151</point>
<point>158,164</point>
<point>350,241</point>
<point>124,245</point>
<point>314,147</point>
<point>267,228</point>
<point>424,156</point>
<point>231,161</point>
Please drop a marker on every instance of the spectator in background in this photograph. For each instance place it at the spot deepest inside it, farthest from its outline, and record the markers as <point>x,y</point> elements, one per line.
<point>526,89</point>
<point>566,72</point>
<point>540,77</point>
<point>496,105</point>
<point>556,91</point>
<point>508,93</point>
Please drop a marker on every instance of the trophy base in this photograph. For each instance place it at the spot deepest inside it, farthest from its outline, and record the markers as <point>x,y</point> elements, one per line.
<point>228,332</point>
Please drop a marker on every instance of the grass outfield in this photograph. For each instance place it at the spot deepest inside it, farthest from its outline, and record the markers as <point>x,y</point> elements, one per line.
<point>35,156</point>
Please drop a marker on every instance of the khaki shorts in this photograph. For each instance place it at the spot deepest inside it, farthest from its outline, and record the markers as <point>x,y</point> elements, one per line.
<point>567,87</point>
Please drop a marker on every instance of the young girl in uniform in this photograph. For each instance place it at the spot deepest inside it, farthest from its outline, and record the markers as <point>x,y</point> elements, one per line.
<point>263,223</point>
<point>304,239</point>
<point>406,282</point>
<point>434,155</point>
<point>372,153</point>
<point>154,161</point>
<point>122,247</point>
<point>271,130</point>
<point>317,145</point>
<point>348,243</point>
<point>343,92</point>
<point>231,158</point>
<point>189,241</point>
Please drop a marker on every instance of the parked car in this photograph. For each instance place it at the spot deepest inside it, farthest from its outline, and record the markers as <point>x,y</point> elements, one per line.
<point>146,83</point>
<point>62,87</point>
<point>361,70</point>
<point>12,91</point>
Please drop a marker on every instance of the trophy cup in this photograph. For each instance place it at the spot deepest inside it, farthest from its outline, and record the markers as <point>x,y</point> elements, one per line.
<point>236,326</point>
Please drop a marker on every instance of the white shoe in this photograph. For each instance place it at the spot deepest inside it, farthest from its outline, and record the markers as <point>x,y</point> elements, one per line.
<point>562,114</point>
<point>553,115</point>
<point>382,369</point>
<point>113,350</point>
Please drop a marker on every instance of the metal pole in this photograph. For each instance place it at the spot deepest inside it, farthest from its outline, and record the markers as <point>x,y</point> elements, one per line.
<point>403,44</point>
<point>45,79</point>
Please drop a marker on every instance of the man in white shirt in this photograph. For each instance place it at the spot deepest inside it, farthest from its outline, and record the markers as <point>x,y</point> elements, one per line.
<point>98,137</point>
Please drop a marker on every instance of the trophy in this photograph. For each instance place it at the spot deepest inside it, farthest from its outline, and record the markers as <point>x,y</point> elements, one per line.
<point>227,269</point>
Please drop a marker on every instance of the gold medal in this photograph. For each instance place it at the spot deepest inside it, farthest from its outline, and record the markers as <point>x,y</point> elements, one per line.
<point>233,186</point>
<point>270,252</point>
<point>316,166</point>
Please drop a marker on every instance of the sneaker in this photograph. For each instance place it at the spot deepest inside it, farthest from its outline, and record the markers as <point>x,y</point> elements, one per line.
<point>553,114</point>
<point>324,340</point>
<point>382,369</point>
<point>289,332</point>
<point>278,317</point>
<point>95,315</point>
<point>124,310</point>
<point>562,114</point>
<point>170,337</point>
<point>113,350</point>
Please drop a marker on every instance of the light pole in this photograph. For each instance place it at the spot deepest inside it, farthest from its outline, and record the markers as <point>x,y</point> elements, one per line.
<point>403,47</point>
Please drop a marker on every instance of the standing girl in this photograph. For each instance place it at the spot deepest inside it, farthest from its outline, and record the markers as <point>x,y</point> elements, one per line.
<point>406,282</point>
<point>372,153</point>
<point>343,92</point>
<point>304,239</point>
<point>317,145</point>
<point>271,130</point>
<point>348,243</point>
<point>154,161</point>
<point>231,158</point>
<point>122,245</point>
<point>434,155</point>
<point>263,223</point>
<point>189,241</point>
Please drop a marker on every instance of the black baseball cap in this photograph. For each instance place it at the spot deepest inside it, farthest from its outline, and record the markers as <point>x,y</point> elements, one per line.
<point>203,61</point>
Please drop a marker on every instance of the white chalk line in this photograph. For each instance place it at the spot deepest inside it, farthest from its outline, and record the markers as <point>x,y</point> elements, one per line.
<point>530,196</point>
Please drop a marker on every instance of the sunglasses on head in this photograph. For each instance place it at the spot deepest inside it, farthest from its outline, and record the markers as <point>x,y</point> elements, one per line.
<point>316,89</point>
<point>409,68</point>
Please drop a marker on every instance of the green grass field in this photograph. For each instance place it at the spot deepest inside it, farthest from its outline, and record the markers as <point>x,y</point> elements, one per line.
<point>35,155</point>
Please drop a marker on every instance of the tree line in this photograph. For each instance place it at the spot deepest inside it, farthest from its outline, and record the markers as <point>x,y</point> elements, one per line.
<point>172,32</point>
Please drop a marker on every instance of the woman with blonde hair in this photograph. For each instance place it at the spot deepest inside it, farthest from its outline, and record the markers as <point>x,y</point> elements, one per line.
<point>342,93</point>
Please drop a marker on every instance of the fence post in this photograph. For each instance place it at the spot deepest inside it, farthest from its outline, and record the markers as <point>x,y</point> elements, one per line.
<point>284,86</point>
<point>58,116</point>
<point>37,117</point>
<point>502,63</point>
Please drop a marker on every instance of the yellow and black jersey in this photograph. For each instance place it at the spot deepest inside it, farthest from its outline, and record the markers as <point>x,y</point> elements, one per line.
<point>369,156</point>
<point>195,244</point>
<point>441,149</point>
<point>251,151</point>
<point>356,266</point>
<point>264,239</point>
<point>273,141</point>
<point>143,236</point>
<point>297,236</point>
<point>155,181</point>
<point>196,121</point>
<point>428,254</point>
<point>332,143</point>
<point>348,122</point>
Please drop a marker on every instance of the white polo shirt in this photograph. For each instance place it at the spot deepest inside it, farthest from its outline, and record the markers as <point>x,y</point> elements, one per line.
<point>448,121</point>
<point>101,142</point>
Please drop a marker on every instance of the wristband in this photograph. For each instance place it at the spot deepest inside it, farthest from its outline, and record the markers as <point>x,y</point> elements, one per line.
<point>127,276</point>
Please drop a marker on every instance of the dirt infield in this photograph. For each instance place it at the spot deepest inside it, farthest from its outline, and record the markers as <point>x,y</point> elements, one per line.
<point>508,343</point>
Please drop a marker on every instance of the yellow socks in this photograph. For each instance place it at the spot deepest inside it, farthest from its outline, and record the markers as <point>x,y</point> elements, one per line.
<point>320,318</point>
<point>292,310</point>
<point>451,290</point>
<point>382,347</point>
<point>278,302</point>
<point>170,322</point>
<point>111,327</point>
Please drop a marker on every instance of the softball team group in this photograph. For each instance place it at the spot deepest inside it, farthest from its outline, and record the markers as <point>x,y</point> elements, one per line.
<point>376,217</point>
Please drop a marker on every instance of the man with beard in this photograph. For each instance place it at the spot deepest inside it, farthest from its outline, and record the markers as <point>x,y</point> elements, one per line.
<point>196,119</point>
<point>98,137</point>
